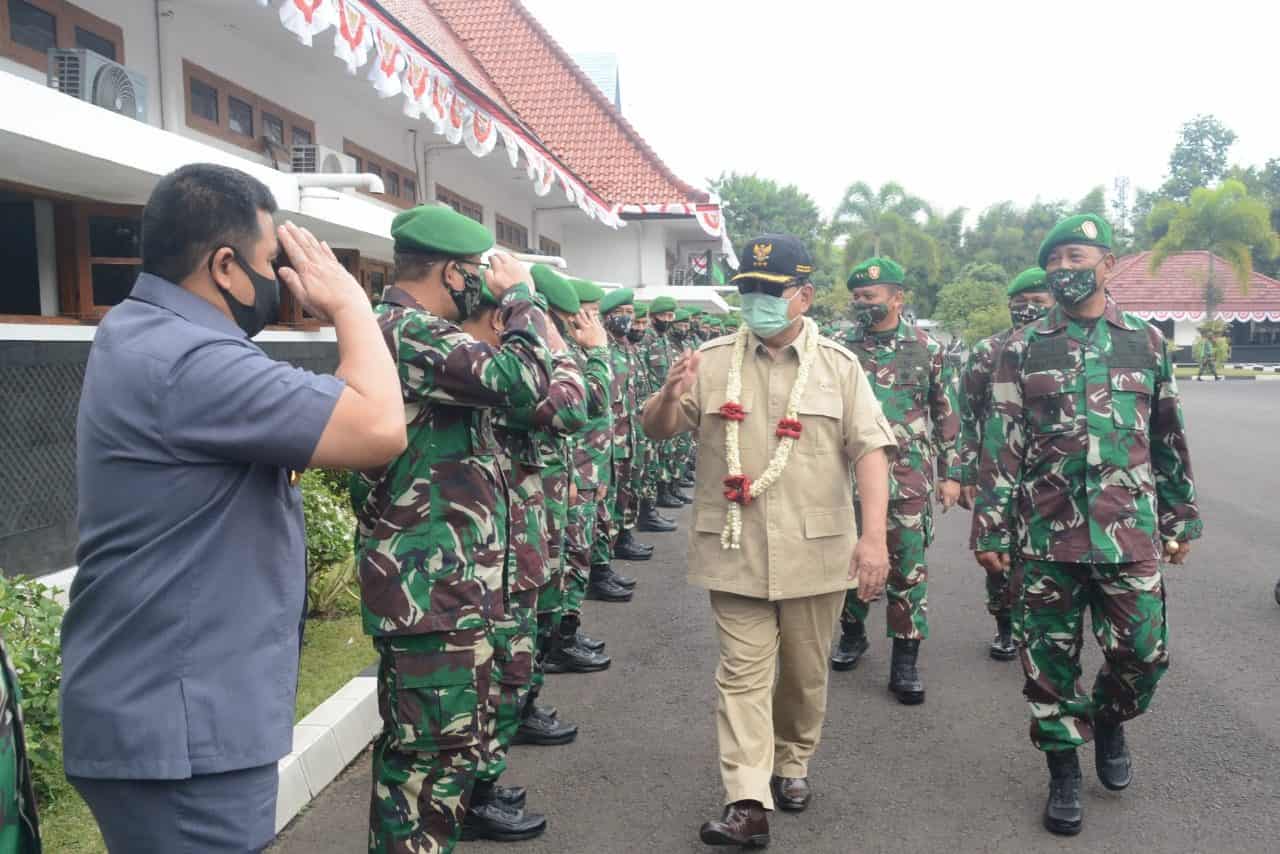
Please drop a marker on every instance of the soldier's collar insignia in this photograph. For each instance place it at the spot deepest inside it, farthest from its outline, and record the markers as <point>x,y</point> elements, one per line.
<point>761,251</point>
<point>873,272</point>
<point>1089,229</point>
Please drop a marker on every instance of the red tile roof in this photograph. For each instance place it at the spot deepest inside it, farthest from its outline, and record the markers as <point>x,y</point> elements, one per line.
<point>1178,287</point>
<point>553,97</point>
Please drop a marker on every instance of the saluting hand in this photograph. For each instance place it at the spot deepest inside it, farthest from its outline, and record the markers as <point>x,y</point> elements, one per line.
<point>505,273</point>
<point>315,276</point>
<point>682,374</point>
<point>588,331</point>
<point>870,567</point>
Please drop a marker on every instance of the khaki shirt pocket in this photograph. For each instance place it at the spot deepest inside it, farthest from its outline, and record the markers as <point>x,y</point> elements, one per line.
<point>820,417</point>
<point>713,427</point>
<point>834,531</point>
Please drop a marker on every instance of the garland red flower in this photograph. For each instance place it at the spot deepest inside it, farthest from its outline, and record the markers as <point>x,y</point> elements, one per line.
<point>789,428</point>
<point>733,411</point>
<point>738,489</point>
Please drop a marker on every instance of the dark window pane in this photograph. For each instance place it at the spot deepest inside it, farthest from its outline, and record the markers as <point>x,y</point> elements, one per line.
<point>115,237</point>
<point>239,116</point>
<point>409,190</point>
<point>32,27</point>
<point>204,100</point>
<point>377,281</point>
<point>112,282</point>
<point>273,128</point>
<point>373,169</point>
<point>20,293</point>
<point>393,184</point>
<point>301,137</point>
<point>96,43</point>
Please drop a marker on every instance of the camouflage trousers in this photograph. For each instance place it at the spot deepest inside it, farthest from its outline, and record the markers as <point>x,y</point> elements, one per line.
<point>608,521</point>
<point>644,487</point>
<point>579,534</point>
<point>679,464</point>
<point>513,650</point>
<point>998,593</point>
<point>906,590</point>
<point>1127,609</point>
<point>431,691</point>
<point>624,507</point>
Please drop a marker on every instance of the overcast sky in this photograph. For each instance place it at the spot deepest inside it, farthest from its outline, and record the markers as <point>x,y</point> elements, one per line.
<point>965,103</point>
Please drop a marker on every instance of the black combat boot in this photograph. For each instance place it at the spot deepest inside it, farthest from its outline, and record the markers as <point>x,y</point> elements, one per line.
<point>650,521</point>
<point>1111,756</point>
<point>490,818</point>
<point>539,727</point>
<point>626,582</point>
<point>589,643</point>
<point>686,481</point>
<point>1063,813</point>
<point>904,678</point>
<point>628,548</point>
<point>851,646</point>
<point>667,499</point>
<point>673,489</point>
<point>565,656</point>
<point>602,587</point>
<point>1002,646</point>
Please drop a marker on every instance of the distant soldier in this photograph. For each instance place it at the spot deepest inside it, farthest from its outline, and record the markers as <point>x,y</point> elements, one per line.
<point>19,829</point>
<point>431,540</point>
<point>1210,349</point>
<point>661,353</point>
<point>1085,474</point>
<point>915,391</point>
<point>618,310</point>
<point>1029,300</point>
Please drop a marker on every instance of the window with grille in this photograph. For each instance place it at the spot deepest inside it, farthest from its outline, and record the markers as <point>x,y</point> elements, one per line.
<point>511,235</point>
<point>401,189</point>
<point>547,246</point>
<point>461,204</point>
<point>220,108</point>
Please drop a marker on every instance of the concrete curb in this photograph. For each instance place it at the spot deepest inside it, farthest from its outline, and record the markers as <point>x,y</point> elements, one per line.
<point>325,742</point>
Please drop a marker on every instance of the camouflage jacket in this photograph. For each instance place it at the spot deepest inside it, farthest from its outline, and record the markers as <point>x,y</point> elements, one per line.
<point>593,444</point>
<point>553,421</point>
<point>659,354</point>
<point>431,537</point>
<point>1086,436</point>
<point>626,396</point>
<point>907,373</point>
<point>13,749</point>
<point>975,401</point>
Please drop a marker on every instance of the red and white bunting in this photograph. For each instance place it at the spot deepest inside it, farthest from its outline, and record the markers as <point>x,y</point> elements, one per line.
<point>306,19</point>
<point>400,67</point>
<point>1199,316</point>
<point>355,37</point>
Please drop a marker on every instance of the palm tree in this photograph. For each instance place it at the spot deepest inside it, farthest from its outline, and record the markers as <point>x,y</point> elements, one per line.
<point>1227,222</point>
<point>873,221</point>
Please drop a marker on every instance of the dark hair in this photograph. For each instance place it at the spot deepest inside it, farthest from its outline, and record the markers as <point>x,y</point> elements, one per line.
<point>197,209</point>
<point>411,266</point>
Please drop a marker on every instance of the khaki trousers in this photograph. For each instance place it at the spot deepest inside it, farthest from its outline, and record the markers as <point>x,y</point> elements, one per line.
<point>772,684</point>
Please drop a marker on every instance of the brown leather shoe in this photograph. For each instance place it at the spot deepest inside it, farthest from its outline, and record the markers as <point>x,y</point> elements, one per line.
<point>791,793</point>
<point>744,823</point>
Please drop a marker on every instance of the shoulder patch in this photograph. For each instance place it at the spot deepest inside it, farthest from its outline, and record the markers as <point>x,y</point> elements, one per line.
<point>831,344</point>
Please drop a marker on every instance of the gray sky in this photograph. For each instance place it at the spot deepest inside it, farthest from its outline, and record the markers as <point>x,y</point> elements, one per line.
<point>963,103</point>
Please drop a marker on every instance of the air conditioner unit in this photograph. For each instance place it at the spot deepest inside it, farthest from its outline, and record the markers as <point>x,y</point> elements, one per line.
<point>318,158</point>
<point>92,77</point>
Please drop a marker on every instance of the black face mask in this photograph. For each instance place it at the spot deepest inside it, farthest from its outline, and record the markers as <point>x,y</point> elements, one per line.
<point>618,324</point>
<point>468,299</point>
<point>661,326</point>
<point>635,335</point>
<point>266,297</point>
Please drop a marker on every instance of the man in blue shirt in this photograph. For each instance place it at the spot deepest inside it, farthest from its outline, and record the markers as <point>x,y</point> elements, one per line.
<point>180,646</point>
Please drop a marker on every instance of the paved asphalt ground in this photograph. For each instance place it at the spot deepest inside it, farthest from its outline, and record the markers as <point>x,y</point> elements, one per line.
<point>958,773</point>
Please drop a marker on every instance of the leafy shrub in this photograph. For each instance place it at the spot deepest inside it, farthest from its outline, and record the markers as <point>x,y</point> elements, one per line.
<point>30,620</point>
<point>330,526</point>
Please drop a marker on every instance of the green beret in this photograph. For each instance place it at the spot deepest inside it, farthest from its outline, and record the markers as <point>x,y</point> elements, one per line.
<point>642,310</point>
<point>875,271</point>
<point>1083,229</point>
<point>696,312</point>
<point>436,228</point>
<point>1030,279</point>
<point>486,295</point>
<point>661,304</point>
<point>617,298</point>
<point>682,315</point>
<point>556,288</point>
<point>587,291</point>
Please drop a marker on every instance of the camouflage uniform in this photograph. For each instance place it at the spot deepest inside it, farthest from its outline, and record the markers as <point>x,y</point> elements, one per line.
<point>431,545</point>
<point>625,401</point>
<point>975,407</point>
<point>684,444</point>
<point>659,354</point>
<point>1085,464</point>
<point>19,830</point>
<point>640,481</point>
<point>592,468</point>
<point>907,373</point>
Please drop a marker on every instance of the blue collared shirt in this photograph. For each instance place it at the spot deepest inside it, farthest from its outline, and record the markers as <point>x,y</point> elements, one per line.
<point>180,645</point>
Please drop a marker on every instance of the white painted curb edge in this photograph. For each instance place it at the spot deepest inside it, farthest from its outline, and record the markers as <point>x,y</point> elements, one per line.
<point>325,742</point>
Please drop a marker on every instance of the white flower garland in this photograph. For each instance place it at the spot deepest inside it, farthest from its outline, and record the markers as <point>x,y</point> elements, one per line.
<point>731,536</point>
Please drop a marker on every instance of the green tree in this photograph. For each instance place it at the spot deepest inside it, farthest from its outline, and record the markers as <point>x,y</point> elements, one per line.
<point>875,222</point>
<point>1199,159</point>
<point>753,206</point>
<point>1227,222</point>
<point>970,306</point>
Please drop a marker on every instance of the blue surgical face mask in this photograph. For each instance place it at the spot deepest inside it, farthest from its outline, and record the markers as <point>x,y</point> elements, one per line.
<point>767,316</point>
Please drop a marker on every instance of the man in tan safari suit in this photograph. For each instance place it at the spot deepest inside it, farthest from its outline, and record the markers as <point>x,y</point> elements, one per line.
<point>777,597</point>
